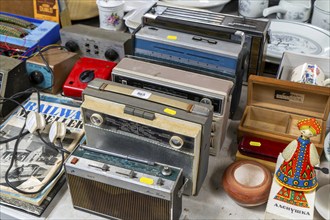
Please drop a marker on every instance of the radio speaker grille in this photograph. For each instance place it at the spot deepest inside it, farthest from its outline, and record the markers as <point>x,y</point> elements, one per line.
<point>116,202</point>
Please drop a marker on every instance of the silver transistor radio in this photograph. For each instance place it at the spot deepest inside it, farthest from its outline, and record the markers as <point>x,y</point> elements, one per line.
<point>119,187</point>
<point>182,84</point>
<point>149,125</point>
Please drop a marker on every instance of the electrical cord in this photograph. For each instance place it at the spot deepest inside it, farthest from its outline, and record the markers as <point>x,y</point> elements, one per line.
<point>13,138</point>
<point>40,52</point>
<point>18,138</point>
<point>61,148</point>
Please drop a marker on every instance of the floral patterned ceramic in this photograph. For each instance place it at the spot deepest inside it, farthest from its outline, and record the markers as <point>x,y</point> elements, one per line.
<point>295,10</point>
<point>321,14</point>
<point>252,8</point>
<point>111,14</point>
<point>296,37</point>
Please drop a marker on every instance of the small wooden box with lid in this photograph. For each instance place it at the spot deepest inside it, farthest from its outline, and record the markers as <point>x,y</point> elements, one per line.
<point>274,108</point>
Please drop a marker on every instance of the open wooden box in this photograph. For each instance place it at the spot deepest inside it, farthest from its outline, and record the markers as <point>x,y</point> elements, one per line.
<point>274,108</point>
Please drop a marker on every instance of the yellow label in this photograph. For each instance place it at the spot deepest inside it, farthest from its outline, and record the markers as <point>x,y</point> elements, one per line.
<point>255,144</point>
<point>170,111</point>
<point>147,180</point>
<point>46,10</point>
<point>172,37</point>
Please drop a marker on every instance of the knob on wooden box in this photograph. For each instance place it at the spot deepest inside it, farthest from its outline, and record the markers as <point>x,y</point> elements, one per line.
<point>51,78</point>
<point>84,71</point>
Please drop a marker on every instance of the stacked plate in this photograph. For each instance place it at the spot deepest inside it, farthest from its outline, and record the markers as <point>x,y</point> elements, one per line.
<point>212,5</point>
<point>296,37</point>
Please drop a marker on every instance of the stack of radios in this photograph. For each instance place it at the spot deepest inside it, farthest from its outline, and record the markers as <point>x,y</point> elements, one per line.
<point>149,133</point>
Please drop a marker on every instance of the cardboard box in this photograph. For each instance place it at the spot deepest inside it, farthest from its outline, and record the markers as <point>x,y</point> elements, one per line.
<point>291,60</point>
<point>274,108</point>
<point>24,8</point>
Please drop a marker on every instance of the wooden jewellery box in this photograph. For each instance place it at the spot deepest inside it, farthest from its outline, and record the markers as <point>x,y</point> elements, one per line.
<point>274,108</point>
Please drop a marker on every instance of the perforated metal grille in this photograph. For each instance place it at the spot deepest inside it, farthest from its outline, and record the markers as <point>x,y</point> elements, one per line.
<point>116,202</point>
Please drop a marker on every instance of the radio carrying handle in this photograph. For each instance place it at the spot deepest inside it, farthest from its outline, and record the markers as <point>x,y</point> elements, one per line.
<point>183,187</point>
<point>241,34</point>
<point>193,108</point>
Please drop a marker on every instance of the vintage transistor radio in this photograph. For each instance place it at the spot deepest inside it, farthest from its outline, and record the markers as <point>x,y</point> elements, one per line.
<point>13,79</point>
<point>84,71</point>
<point>119,187</point>
<point>96,43</point>
<point>183,84</point>
<point>60,61</point>
<point>149,125</point>
<point>205,55</point>
<point>214,25</point>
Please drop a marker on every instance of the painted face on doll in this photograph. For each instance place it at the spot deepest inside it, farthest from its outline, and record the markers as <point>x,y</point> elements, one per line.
<point>306,133</point>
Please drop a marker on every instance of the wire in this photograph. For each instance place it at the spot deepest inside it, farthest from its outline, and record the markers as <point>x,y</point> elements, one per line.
<point>13,138</point>
<point>60,149</point>
<point>40,52</point>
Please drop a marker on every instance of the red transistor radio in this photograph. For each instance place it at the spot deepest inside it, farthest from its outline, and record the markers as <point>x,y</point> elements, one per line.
<point>84,71</point>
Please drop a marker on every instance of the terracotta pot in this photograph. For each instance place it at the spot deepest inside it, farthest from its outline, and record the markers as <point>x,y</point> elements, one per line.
<point>247,182</point>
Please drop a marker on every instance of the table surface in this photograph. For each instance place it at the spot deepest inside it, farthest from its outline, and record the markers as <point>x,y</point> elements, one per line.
<point>211,203</point>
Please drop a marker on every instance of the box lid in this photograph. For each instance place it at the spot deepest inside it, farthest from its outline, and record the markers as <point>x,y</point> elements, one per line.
<point>287,96</point>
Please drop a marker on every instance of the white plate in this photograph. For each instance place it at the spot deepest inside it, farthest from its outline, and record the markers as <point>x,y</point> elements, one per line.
<point>135,4</point>
<point>327,146</point>
<point>322,201</point>
<point>296,37</point>
<point>216,5</point>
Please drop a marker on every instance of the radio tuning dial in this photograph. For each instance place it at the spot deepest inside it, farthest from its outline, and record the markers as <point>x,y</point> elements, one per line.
<point>36,77</point>
<point>72,46</point>
<point>111,54</point>
<point>96,119</point>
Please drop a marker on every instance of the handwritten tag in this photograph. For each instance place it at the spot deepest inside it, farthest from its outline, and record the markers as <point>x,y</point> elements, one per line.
<point>141,94</point>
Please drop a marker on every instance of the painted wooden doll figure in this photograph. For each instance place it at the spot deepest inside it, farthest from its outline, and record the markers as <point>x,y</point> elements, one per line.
<point>296,175</point>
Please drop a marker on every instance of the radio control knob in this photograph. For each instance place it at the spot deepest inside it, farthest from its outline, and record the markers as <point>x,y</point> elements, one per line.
<point>96,119</point>
<point>213,127</point>
<point>166,171</point>
<point>160,182</point>
<point>111,54</point>
<point>176,142</point>
<point>72,46</point>
<point>36,77</point>
<point>206,101</point>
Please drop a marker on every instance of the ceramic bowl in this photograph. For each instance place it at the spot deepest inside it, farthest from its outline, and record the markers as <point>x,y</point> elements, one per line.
<point>322,201</point>
<point>247,183</point>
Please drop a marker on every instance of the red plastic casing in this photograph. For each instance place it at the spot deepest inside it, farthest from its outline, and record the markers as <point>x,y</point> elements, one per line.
<point>73,86</point>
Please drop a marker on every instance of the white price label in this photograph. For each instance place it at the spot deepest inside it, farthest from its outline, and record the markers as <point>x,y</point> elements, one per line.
<point>141,94</point>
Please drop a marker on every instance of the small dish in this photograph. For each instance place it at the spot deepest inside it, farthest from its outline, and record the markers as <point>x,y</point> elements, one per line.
<point>212,5</point>
<point>247,183</point>
<point>296,37</point>
<point>322,201</point>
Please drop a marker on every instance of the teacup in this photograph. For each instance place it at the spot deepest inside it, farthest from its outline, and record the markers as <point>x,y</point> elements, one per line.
<point>321,14</point>
<point>252,8</point>
<point>309,74</point>
<point>295,10</point>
